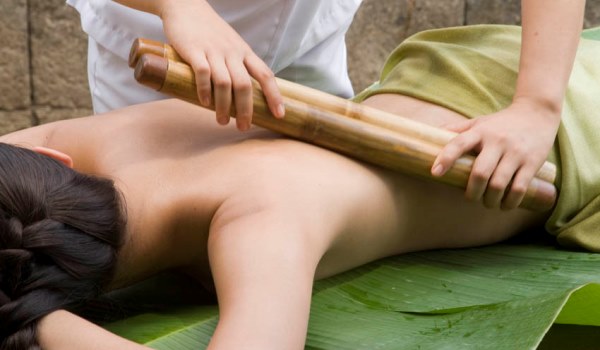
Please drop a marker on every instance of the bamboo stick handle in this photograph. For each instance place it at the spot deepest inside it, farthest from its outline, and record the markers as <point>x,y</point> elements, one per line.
<point>337,104</point>
<point>355,138</point>
<point>142,46</point>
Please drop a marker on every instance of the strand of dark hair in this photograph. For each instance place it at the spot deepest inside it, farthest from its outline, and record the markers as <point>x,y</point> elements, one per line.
<point>60,232</point>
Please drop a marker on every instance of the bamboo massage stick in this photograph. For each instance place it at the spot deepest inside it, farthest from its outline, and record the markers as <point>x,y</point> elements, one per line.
<point>361,140</point>
<point>336,104</point>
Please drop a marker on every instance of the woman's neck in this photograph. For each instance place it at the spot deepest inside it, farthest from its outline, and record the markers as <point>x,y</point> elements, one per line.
<point>167,228</point>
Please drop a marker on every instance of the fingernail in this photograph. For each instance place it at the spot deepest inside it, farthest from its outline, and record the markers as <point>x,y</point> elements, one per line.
<point>244,126</point>
<point>223,120</point>
<point>280,110</point>
<point>437,170</point>
<point>205,101</point>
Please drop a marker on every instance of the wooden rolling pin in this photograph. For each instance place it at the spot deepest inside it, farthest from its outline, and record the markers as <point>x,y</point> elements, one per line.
<point>361,140</point>
<point>335,104</point>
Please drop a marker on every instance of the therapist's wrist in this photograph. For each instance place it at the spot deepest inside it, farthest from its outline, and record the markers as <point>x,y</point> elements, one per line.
<point>164,7</point>
<point>538,91</point>
<point>161,6</point>
<point>551,106</point>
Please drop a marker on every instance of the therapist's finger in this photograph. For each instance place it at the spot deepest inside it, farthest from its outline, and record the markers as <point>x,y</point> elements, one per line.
<point>265,77</point>
<point>481,172</point>
<point>459,145</point>
<point>242,93</point>
<point>519,186</point>
<point>202,75</point>
<point>502,177</point>
<point>222,88</point>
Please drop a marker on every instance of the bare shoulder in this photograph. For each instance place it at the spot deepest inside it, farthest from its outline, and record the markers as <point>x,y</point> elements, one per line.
<point>134,131</point>
<point>163,127</point>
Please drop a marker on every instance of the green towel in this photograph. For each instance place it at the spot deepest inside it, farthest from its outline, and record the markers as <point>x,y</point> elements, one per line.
<point>473,70</point>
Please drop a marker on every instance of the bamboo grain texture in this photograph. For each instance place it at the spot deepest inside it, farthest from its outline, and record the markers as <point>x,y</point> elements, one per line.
<point>336,104</point>
<point>405,152</point>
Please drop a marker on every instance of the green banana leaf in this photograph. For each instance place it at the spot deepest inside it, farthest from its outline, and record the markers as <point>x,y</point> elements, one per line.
<point>592,33</point>
<point>497,297</point>
<point>510,296</point>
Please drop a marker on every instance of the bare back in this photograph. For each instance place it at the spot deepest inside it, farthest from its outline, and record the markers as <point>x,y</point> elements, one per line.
<point>181,175</point>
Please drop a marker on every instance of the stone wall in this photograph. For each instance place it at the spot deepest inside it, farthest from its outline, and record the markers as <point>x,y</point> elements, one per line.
<point>381,24</point>
<point>43,66</point>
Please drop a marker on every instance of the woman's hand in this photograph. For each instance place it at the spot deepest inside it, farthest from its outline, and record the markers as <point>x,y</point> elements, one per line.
<point>62,330</point>
<point>511,144</point>
<point>218,55</point>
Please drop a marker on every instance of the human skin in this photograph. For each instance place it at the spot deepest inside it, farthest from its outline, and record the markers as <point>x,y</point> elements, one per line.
<point>222,61</point>
<point>508,157</point>
<point>264,215</point>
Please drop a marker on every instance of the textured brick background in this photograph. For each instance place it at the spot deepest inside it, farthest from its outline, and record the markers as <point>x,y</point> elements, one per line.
<point>42,53</point>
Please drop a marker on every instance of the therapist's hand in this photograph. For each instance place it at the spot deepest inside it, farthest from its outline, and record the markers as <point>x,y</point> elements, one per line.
<point>511,145</point>
<point>218,55</point>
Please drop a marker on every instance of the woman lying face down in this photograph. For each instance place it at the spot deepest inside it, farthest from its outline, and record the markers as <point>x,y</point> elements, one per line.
<point>158,186</point>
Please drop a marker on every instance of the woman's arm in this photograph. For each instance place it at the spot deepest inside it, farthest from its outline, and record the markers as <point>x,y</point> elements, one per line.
<point>513,143</point>
<point>62,330</point>
<point>218,56</point>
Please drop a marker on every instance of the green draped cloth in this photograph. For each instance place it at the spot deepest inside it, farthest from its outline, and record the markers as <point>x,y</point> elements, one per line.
<point>473,71</point>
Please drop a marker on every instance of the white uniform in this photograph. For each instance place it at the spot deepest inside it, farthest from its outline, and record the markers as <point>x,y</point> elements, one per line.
<point>301,40</point>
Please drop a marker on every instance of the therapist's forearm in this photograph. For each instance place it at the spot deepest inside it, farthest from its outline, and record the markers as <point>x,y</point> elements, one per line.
<point>155,7</point>
<point>551,31</point>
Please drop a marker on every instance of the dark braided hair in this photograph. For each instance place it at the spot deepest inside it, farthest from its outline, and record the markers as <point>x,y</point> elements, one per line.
<point>60,231</point>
